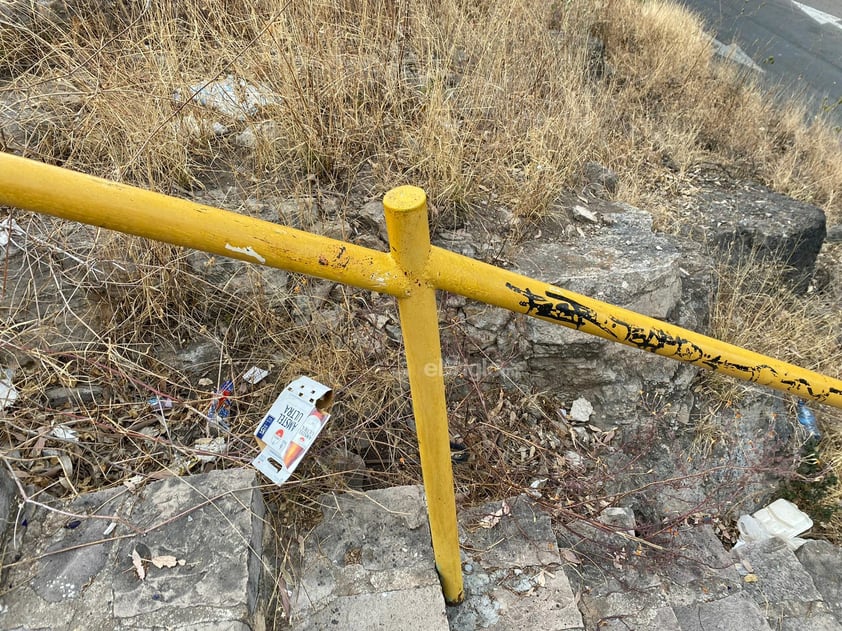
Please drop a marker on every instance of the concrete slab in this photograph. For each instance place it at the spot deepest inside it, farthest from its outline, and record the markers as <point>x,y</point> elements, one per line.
<point>523,537</point>
<point>400,610</point>
<point>72,575</point>
<point>369,565</point>
<point>549,604</point>
<point>784,589</point>
<point>512,571</point>
<point>625,584</point>
<point>734,612</point>
<point>823,561</point>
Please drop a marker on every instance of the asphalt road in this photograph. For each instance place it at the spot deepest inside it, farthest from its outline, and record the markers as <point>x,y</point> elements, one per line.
<point>799,49</point>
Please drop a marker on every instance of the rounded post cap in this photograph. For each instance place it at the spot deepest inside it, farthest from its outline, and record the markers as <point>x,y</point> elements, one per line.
<point>405,199</point>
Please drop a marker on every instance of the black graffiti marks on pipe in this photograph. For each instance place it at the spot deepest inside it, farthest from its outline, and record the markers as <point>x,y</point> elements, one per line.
<point>561,308</point>
<point>564,309</point>
<point>801,385</point>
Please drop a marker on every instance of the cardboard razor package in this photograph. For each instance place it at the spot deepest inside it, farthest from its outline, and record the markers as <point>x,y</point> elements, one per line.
<point>290,427</point>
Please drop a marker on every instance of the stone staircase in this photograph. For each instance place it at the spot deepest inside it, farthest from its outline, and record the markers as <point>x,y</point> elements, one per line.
<point>369,565</point>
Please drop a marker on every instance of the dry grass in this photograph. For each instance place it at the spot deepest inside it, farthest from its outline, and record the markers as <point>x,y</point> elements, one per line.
<point>466,100</point>
<point>752,308</point>
<point>478,103</point>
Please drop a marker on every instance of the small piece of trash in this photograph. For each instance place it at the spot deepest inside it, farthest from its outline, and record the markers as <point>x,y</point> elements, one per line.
<point>160,403</point>
<point>214,446</point>
<point>110,528</point>
<point>289,428</point>
<point>255,375</point>
<point>8,393</point>
<point>205,382</point>
<point>63,432</point>
<point>781,519</point>
<point>489,521</point>
<point>231,96</point>
<point>750,578</point>
<point>220,407</point>
<point>164,560</point>
<point>7,227</point>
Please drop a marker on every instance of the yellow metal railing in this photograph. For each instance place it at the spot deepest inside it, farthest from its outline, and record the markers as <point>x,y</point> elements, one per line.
<point>411,271</point>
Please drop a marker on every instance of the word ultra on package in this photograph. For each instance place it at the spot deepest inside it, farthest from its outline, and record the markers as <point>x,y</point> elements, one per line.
<point>290,427</point>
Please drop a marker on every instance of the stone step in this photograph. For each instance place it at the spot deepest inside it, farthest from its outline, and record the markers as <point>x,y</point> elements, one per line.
<point>74,571</point>
<point>369,565</point>
<point>513,573</point>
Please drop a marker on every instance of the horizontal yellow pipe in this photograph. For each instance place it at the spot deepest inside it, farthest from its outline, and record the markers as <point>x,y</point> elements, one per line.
<point>492,285</point>
<point>55,191</point>
<point>62,193</point>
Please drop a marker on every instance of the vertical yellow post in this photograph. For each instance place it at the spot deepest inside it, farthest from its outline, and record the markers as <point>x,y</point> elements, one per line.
<point>409,242</point>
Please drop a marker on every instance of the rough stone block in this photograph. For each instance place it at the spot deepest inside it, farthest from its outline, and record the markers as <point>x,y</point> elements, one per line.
<point>823,561</point>
<point>734,612</point>
<point>513,579</point>
<point>549,604</point>
<point>75,576</point>
<point>784,589</point>
<point>749,222</point>
<point>700,565</point>
<point>623,263</point>
<point>522,538</point>
<point>370,559</point>
<point>399,610</point>
<point>8,507</point>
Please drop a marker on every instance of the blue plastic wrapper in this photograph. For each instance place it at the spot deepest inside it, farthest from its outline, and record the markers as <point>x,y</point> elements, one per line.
<point>808,420</point>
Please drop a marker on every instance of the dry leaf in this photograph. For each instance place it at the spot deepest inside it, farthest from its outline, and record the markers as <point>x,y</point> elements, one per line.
<point>138,565</point>
<point>568,555</point>
<point>165,560</point>
<point>489,521</point>
<point>750,578</point>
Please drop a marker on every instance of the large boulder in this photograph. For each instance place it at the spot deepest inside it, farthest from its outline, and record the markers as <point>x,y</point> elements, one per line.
<point>609,253</point>
<point>745,222</point>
